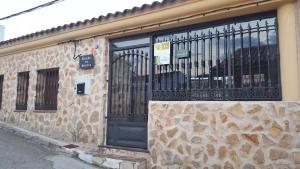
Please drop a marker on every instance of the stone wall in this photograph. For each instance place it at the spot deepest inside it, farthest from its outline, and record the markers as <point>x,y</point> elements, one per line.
<point>227,135</point>
<point>78,118</point>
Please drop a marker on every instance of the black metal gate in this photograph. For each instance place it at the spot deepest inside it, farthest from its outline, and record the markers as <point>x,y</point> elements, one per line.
<point>128,114</point>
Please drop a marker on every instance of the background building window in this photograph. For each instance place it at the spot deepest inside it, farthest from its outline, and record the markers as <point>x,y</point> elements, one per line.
<point>47,89</point>
<point>22,91</point>
<point>1,88</point>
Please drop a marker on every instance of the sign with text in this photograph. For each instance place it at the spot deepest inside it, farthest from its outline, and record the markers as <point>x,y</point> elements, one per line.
<point>86,62</point>
<point>181,54</point>
<point>162,53</point>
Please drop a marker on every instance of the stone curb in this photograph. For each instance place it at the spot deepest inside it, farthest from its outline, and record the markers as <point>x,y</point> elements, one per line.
<point>50,143</point>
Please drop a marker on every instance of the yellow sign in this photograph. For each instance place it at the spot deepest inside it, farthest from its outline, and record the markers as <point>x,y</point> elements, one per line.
<point>162,52</point>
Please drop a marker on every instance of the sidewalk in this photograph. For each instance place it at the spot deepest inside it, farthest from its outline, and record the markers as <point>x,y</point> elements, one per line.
<point>92,156</point>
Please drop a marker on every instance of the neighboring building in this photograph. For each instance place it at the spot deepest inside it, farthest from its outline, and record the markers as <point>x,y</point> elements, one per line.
<point>2,29</point>
<point>228,97</point>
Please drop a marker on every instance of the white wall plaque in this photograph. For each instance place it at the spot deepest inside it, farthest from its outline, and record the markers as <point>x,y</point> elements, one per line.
<point>162,53</point>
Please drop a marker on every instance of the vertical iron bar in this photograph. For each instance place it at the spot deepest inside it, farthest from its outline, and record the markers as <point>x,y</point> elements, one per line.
<point>130,67</point>
<point>44,98</point>
<point>268,55</point>
<point>127,81</point>
<point>218,56</point>
<point>28,77</point>
<point>203,61</point>
<point>43,94</point>
<point>118,64</point>
<point>151,70</point>
<point>249,56</point>
<point>132,87</point>
<point>136,105</point>
<point>19,95</point>
<point>141,91</point>
<point>159,78</point>
<point>167,75</point>
<point>225,59</point>
<point>228,54</point>
<point>184,64</point>
<point>194,40</point>
<point>242,49</point>
<point>258,53</point>
<point>189,43</point>
<point>43,88</point>
<point>51,83</point>
<point>233,57</point>
<point>117,112</point>
<point>114,87</point>
<point>172,58</point>
<point>21,83</point>
<point>178,87</point>
<point>145,86</point>
<point>26,89</point>
<point>110,85</point>
<point>37,88</point>
<point>56,81</point>
<point>197,60</point>
<point>122,59</point>
<point>46,89</point>
<point>53,80</point>
<point>210,60</point>
<point>18,89</point>
<point>50,89</point>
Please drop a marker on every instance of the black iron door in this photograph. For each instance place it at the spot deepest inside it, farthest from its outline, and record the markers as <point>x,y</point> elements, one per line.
<point>128,113</point>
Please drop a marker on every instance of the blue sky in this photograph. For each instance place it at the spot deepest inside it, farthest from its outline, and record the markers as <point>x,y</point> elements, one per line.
<point>61,13</point>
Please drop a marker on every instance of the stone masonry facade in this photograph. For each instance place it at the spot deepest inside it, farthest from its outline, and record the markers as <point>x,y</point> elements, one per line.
<point>78,118</point>
<point>224,135</point>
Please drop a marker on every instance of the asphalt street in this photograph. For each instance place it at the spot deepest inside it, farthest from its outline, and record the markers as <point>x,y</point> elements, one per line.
<point>19,153</point>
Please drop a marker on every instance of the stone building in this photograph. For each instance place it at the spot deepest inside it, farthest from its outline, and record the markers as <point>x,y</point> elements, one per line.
<point>185,83</point>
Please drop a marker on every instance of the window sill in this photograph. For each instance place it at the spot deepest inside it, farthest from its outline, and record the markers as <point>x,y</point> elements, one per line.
<point>45,111</point>
<point>20,111</point>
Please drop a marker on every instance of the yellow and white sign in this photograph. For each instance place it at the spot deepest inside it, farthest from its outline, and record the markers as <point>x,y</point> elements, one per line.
<point>162,53</point>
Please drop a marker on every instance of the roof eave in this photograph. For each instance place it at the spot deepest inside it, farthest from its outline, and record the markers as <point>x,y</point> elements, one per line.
<point>139,20</point>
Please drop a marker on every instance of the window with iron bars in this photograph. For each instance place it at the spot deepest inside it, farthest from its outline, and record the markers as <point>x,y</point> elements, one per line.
<point>47,89</point>
<point>1,88</point>
<point>234,60</point>
<point>22,91</point>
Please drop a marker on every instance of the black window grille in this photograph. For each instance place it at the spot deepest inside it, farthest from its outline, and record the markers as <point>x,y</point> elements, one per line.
<point>1,88</point>
<point>22,91</point>
<point>233,60</point>
<point>47,89</point>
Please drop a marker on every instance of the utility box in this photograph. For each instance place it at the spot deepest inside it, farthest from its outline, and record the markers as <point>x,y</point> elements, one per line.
<point>82,85</point>
<point>80,88</point>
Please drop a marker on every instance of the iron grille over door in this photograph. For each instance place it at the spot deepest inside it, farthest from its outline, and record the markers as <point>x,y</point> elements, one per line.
<point>234,60</point>
<point>128,113</point>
